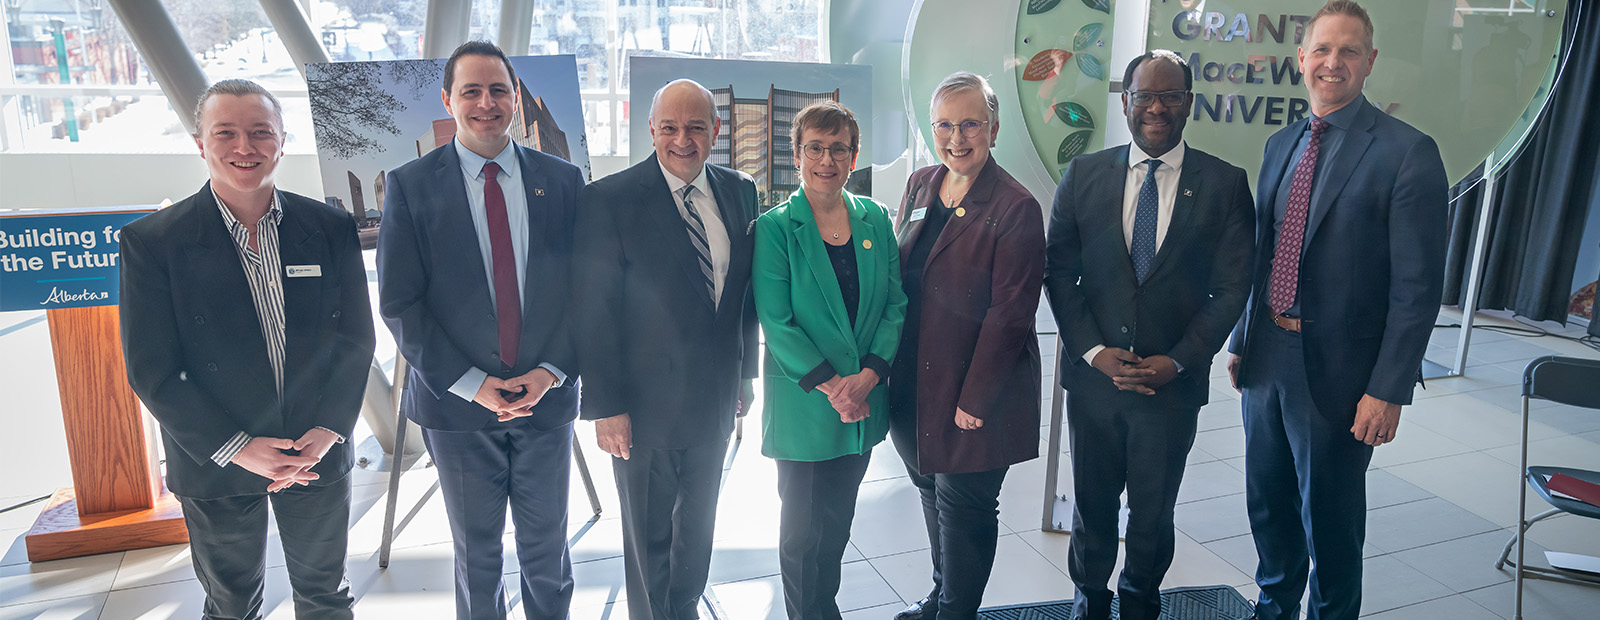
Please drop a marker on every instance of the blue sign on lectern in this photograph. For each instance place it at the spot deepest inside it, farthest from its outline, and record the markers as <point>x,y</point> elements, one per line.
<point>62,259</point>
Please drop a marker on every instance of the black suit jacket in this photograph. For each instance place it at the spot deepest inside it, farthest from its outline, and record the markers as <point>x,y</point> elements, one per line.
<point>194,350</point>
<point>651,343</point>
<point>1197,283</point>
<point>433,290</point>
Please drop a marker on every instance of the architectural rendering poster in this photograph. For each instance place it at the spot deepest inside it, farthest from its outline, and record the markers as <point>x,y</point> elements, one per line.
<point>756,101</point>
<point>371,117</point>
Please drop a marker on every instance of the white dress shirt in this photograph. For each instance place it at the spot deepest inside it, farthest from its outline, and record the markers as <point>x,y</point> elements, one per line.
<point>510,179</point>
<point>1166,196</point>
<point>705,203</point>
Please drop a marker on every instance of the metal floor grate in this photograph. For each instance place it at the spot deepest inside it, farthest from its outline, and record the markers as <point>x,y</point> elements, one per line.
<point>1193,603</point>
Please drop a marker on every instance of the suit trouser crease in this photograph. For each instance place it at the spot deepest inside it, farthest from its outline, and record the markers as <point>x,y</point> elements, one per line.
<point>1121,442</point>
<point>482,473</point>
<point>819,503</point>
<point>228,543</point>
<point>1305,485</point>
<point>669,510</point>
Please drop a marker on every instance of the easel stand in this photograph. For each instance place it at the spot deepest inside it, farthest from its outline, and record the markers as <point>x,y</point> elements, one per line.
<point>118,501</point>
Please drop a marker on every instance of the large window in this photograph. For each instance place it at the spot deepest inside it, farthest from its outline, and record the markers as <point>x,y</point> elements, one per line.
<point>108,101</point>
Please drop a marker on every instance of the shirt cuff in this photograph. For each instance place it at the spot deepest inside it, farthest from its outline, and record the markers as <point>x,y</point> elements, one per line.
<point>817,376</point>
<point>340,438</point>
<point>877,365</point>
<point>467,386</point>
<point>230,449</point>
<point>561,377</point>
<point>1175,363</point>
<point>1089,357</point>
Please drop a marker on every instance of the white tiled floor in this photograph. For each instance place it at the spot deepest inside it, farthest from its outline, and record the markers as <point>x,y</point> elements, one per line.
<point>1441,503</point>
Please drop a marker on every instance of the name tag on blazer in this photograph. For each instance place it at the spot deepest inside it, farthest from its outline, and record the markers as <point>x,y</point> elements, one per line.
<point>303,271</point>
<point>917,214</point>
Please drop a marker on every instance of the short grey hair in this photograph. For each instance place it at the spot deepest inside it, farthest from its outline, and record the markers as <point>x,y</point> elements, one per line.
<point>655,100</point>
<point>963,81</point>
<point>237,88</point>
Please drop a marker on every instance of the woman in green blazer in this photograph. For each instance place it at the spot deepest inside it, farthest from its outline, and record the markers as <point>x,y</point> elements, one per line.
<point>827,290</point>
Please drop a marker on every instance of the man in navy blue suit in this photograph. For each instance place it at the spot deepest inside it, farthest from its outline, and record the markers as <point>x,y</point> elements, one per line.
<point>1350,214</point>
<point>473,273</point>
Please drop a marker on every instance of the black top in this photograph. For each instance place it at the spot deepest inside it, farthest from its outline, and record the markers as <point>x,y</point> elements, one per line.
<point>843,258</point>
<point>903,389</point>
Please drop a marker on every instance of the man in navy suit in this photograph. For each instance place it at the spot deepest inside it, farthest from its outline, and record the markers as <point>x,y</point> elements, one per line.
<point>667,333</point>
<point>1347,280</point>
<point>1143,274</point>
<point>247,333</point>
<point>473,275</point>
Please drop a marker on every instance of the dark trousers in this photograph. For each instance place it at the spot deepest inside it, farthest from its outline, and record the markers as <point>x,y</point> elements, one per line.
<point>669,512</point>
<point>819,502</point>
<point>962,514</point>
<point>1305,484</point>
<point>1120,442</point>
<point>481,473</point>
<point>228,543</point>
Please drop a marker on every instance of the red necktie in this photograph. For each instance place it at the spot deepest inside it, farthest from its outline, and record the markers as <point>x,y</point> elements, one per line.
<point>507,299</point>
<point>1285,279</point>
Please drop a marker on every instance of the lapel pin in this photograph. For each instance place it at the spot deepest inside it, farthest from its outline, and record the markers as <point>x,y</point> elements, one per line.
<point>961,211</point>
<point>538,191</point>
<point>1188,192</point>
<point>866,244</point>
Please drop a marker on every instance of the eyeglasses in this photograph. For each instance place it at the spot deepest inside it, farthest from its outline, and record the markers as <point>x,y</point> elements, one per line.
<point>1171,98</point>
<point>837,152</point>
<point>970,129</point>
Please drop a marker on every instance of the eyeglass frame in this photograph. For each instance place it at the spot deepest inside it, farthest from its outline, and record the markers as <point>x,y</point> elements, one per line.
<point>1133,96</point>
<point>837,152</point>
<point>976,128</point>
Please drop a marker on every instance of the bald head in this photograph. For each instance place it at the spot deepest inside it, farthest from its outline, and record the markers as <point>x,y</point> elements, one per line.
<point>683,124</point>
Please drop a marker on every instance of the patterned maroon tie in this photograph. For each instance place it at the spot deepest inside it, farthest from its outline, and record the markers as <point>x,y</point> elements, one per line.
<point>1285,277</point>
<point>507,301</point>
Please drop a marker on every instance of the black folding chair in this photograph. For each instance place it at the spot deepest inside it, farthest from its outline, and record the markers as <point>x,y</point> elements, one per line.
<point>1569,381</point>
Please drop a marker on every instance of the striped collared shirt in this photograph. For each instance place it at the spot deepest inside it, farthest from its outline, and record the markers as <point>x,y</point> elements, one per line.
<point>263,271</point>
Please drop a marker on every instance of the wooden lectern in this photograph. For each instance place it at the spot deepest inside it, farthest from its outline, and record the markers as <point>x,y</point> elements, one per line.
<point>118,501</point>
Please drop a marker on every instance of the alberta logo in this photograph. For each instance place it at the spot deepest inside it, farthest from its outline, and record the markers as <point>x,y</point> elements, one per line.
<point>58,296</point>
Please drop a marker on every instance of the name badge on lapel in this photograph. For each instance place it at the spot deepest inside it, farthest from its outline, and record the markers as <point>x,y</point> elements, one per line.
<point>918,214</point>
<point>303,271</point>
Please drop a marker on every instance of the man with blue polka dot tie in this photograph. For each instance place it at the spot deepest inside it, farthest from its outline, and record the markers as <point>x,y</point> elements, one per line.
<point>1145,270</point>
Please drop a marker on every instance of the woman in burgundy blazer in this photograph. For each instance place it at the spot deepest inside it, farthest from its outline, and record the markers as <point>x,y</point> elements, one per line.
<point>964,387</point>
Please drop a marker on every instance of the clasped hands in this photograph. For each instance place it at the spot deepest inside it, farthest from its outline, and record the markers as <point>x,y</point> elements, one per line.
<point>515,397</point>
<point>267,457</point>
<point>1133,373</point>
<point>848,395</point>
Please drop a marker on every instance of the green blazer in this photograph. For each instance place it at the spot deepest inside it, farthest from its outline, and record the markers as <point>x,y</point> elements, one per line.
<point>805,323</point>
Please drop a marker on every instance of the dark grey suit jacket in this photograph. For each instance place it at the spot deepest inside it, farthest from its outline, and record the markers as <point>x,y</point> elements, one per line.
<point>650,342</point>
<point>194,349</point>
<point>1194,292</point>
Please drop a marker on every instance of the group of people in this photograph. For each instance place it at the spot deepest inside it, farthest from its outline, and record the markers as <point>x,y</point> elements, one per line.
<point>504,277</point>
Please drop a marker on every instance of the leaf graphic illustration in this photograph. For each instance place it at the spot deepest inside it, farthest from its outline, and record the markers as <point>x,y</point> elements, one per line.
<point>1045,65</point>
<point>1074,115</point>
<point>1036,7</point>
<point>1091,66</point>
<point>1086,36</point>
<point>1073,146</point>
<point>1103,6</point>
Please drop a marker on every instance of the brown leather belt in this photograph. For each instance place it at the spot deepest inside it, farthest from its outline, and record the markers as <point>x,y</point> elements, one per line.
<point>1290,323</point>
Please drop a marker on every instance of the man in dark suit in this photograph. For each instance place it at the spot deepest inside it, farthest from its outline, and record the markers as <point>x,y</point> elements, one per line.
<point>1347,277</point>
<point>667,335</point>
<point>1143,274</point>
<point>473,274</point>
<point>247,333</point>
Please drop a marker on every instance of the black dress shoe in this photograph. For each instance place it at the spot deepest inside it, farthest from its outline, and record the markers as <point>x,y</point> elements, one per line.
<point>924,609</point>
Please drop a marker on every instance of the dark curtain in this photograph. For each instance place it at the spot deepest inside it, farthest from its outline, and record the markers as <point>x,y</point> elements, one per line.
<point>1542,198</point>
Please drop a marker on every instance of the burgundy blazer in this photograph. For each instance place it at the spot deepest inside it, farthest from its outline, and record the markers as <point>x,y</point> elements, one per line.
<point>977,348</point>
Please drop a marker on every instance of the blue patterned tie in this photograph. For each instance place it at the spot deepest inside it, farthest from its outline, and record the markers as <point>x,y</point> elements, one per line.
<point>1143,250</point>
